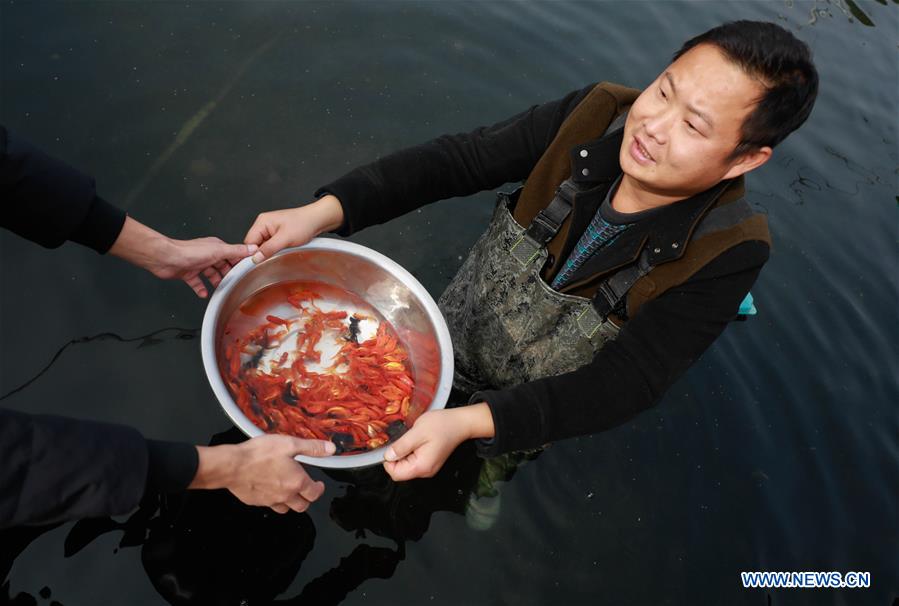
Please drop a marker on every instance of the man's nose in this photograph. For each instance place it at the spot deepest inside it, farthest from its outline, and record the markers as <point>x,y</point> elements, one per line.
<point>657,126</point>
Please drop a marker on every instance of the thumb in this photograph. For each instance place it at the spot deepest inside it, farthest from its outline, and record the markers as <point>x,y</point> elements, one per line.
<point>239,251</point>
<point>402,447</point>
<point>313,448</point>
<point>235,252</point>
<point>271,246</point>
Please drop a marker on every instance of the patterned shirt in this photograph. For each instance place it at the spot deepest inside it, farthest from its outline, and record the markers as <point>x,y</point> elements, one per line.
<point>606,225</point>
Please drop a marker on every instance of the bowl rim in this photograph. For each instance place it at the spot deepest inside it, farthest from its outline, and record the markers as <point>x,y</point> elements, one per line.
<point>245,266</point>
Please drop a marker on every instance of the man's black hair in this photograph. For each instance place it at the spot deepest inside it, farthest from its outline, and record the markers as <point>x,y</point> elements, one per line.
<point>783,65</point>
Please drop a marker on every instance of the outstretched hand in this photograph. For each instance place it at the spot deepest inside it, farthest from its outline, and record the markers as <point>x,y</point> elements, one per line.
<point>278,229</point>
<point>185,260</point>
<point>422,451</point>
<point>262,471</point>
<point>209,257</point>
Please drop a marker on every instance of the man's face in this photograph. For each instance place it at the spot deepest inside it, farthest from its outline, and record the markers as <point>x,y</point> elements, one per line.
<point>683,127</point>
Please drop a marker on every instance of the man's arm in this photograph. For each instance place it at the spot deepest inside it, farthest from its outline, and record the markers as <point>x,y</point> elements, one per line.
<point>626,377</point>
<point>451,165</point>
<point>186,260</point>
<point>631,373</point>
<point>48,202</point>
<point>262,471</point>
<point>54,468</point>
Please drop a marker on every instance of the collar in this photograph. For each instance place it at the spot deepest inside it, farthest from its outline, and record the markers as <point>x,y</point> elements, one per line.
<point>665,234</point>
<point>596,161</point>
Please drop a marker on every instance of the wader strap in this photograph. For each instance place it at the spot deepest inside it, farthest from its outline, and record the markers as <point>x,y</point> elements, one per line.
<point>613,289</point>
<point>589,321</point>
<point>548,221</point>
<point>545,225</point>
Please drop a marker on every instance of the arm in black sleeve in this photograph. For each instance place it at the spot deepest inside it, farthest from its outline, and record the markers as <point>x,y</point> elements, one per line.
<point>449,166</point>
<point>631,373</point>
<point>56,469</point>
<point>48,202</point>
<point>171,466</point>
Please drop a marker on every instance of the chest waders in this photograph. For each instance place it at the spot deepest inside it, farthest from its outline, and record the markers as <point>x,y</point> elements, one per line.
<point>509,326</point>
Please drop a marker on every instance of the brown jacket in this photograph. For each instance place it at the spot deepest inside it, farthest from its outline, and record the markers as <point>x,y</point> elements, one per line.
<point>580,144</point>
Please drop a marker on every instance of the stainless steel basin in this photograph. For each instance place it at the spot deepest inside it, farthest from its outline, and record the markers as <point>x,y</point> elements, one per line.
<point>380,282</point>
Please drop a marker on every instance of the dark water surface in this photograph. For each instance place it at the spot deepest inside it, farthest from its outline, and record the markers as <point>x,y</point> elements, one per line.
<point>779,449</point>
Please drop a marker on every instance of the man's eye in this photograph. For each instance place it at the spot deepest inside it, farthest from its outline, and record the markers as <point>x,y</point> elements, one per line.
<point>661,92</point>
<point>691,127</point>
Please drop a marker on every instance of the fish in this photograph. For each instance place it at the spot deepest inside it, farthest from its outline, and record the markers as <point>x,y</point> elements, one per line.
<point>360,402</point>
<point>353,331</point>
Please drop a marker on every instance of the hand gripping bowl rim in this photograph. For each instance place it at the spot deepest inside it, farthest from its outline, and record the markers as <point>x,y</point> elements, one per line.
<point>229,406</point>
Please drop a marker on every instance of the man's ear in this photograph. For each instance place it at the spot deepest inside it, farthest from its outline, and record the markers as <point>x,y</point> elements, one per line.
<point>751,160</point>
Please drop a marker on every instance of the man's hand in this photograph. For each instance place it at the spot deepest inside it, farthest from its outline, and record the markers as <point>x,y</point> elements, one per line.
<point>189,259</point>
<point>178,259</point>
<point>422,451</point>
<point>262,471</point>
<point>279,229</point>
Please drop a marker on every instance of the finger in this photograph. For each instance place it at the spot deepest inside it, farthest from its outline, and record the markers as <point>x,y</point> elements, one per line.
<point>197,285</point>
<point>277,242</point>
<point>311,491</point>
<point>313,448</point>
<point>223,267</point>
<point>298,504</point>
<point>236,252</point>
<point>280,508</point>
<point>405,469</point>
<point>405,445</point>
<point>259,231</point>
<point>213,276</point>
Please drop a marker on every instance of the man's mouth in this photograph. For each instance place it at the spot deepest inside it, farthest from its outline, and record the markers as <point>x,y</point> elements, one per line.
<point>640,153</point>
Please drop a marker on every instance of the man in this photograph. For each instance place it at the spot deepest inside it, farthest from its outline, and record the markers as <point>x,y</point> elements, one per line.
<point>624,255</point>
<point>54,468</point>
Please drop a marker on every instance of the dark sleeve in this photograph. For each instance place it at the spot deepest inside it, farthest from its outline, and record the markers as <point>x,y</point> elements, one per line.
<point>631,373</point>
<point>171,466</point>
<point>56,469</point>
<point>48,202</point>
<point>449,166</point>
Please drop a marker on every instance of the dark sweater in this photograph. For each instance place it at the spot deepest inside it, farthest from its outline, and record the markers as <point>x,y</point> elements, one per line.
<point>55,468</point>
<point>653,349</point>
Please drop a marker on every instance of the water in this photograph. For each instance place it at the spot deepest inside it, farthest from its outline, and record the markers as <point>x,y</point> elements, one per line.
<point>292,337</point>
<point>272,301</point>
<point>778,450</point>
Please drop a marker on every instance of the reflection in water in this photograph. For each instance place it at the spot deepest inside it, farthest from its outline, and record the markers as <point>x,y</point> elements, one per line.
<point>13,541</point>
<point>153,338</point>
<point>847,7</point>
<point>206,547</point>
<point>800,378</point>
<point>859,14</point>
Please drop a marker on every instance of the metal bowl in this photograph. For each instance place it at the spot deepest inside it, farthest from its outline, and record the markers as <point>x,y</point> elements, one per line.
<point>376,279</point>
